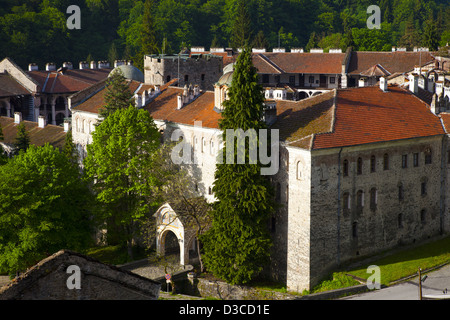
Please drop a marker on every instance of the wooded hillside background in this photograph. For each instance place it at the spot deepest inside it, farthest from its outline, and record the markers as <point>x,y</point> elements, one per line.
<point>35,31</point>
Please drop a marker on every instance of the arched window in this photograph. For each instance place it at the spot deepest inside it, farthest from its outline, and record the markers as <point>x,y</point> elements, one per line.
<point>360,199</point>
<point>386,162</point>
<point>401,192</point>
<point>373,164</point>
<point>428,155</point>
<point>355,230</point>
<point>423,216</point>
<point>211,144</point>
<point>359,166</point>
<point>373,198</point>
<point>346,202</point>
<point>299,170</point>
<point>345,168</point>
<point>203,144</point>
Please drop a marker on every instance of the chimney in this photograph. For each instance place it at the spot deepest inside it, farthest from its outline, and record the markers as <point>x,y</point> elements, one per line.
<point>180,102</point>
<point>316,50</point>
<point>17,117</point>
<point>138,100</point>
<point>103,64</point>
<point>83,65</point>
<point>414,83</point>
<point>196,90</point>
<point>335,51</point>
<point>50,66</point>
<point>279,50</point>
<point>297,50</point>
<point>394,49</point>
<point>157,90</point>
<point>33,67</point>
<point>258,50</point>
<point>68,65</point>
<point>93,65</point>
<point>66,125</point>
<point>198,49</point>
<point>362,82</point>
<point>118,63</point>
<point>41,121</point>
<point>383,84</point>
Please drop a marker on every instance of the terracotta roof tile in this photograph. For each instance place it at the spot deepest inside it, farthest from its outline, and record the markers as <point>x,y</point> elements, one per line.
<point>289,62</point>
<point>299,120</point>
<point>369,115</point>
<point>10,87</point>
<point>97,101</point>
<point>398,61</point>
<point>164,107</point>
<point>51,134</point>
<point>69,81</point>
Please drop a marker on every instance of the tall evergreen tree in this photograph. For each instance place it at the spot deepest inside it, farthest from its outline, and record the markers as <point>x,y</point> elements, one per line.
<point>237,245</point>
<point>241,30</point>
<point>22,138</point>
<point>118,94</point>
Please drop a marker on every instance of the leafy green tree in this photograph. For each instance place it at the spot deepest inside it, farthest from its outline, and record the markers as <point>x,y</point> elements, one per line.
<point>236,247</point>
<point>118,94</point>
<point>121,162</point>
<point>3,157</point>
<point>22,139</point>
<point>45,208</point>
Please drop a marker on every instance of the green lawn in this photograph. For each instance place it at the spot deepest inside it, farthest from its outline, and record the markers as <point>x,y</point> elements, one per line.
<point>406,262</point>
<point>114,255</point>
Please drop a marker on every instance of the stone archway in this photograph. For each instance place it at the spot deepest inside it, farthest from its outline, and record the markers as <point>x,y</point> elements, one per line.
<point>168,221</point>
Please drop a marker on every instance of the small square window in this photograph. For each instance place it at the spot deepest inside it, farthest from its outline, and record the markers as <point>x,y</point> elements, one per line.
<point>332,80</point>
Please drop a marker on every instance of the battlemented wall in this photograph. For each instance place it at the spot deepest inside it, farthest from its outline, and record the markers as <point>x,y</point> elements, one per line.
<point>202,70</point>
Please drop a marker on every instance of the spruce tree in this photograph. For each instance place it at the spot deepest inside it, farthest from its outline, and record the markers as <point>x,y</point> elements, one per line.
<point>118,94</point>
<point>22,138</point>
<point>236,247</point>
<point>241,29</point>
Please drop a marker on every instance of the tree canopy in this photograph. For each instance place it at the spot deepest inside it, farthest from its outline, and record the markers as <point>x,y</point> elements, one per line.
<point>34,31</point>
<point>44,207</point>
<point>119,165</point>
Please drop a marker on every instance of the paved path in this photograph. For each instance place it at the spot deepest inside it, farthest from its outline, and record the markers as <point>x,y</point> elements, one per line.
<point>436,282</point>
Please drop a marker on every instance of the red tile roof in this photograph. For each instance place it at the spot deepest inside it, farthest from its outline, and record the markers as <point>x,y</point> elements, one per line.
<point>291,62</point>
<point>164,107</point>
<point>398,61</point>
<point>69,81</point>
<point>51,134</point>
<point>369,115</point>
<point>10,87</point>
<point>94,103</point>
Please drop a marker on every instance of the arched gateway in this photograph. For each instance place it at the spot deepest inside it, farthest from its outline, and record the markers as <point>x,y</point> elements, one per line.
<point>168,225</point>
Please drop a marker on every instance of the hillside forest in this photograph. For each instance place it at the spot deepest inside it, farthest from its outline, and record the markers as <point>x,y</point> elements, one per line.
<point>36,31</point>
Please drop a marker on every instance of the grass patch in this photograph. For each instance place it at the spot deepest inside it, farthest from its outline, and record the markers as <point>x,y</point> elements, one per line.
<point>406,262</point>
<point>338,280</point>
<point>115,255</point>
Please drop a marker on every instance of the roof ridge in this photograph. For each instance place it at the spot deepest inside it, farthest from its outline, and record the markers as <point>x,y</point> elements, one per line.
<point>271,63</point>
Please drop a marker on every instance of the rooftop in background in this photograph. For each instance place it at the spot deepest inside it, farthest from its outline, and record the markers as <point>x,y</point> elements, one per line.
<point>69,80</point>
<point>54,135</point>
